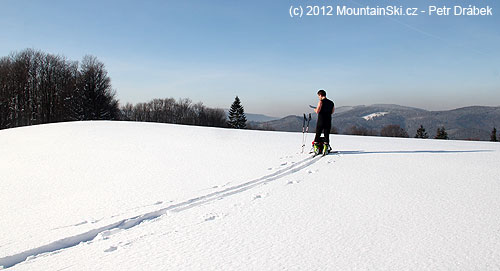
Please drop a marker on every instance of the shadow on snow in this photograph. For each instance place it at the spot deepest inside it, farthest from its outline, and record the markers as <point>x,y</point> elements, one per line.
<point>411,152</point>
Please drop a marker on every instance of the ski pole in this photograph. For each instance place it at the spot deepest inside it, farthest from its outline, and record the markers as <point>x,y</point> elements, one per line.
<point>307,131</point>
<point>303,133</point>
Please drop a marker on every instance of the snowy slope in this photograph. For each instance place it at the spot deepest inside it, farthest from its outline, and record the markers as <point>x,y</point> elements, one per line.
<point>122,195</point>
<point>375,115</point>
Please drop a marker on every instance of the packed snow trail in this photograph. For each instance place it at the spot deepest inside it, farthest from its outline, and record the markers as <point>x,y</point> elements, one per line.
<point>128,223</point>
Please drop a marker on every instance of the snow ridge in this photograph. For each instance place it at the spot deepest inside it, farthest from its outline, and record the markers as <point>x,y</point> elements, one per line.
<point>9,261</point>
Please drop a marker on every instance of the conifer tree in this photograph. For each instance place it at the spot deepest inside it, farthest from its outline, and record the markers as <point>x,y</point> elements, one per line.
<point>237,118</point>
<point>421,133</point>
<point>494,135</point>
<point>441,133</point>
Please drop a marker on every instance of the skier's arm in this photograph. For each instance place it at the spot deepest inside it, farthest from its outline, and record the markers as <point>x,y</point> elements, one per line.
<point>318,108</point>
<point>333,110</point>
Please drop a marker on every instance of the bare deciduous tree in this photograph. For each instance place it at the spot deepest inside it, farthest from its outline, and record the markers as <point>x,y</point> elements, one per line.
<point>98,98</point>
<point>171,111</point>
<point>355,130</point>
<point>393,131</point>
<point>36,88</point>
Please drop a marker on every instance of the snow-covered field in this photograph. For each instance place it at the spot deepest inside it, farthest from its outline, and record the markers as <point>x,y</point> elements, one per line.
<point>144,196</point>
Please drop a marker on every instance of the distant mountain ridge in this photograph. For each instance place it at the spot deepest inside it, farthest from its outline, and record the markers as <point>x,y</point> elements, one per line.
<point>255,117</point>
<point>472,122</point>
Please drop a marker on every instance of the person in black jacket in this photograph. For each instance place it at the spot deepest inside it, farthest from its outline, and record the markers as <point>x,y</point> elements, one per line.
<point>325,109</point>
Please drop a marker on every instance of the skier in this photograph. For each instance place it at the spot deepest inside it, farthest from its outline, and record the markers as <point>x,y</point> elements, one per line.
<point>325,109</point>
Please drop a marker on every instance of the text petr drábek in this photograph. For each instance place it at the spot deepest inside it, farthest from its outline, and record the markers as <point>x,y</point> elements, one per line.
<point>469,10</point>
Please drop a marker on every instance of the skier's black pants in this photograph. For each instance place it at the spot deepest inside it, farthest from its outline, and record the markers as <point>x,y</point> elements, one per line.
<point>324,126</point>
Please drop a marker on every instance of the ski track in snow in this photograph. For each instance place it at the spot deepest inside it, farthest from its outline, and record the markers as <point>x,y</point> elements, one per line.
<point>71,241</point>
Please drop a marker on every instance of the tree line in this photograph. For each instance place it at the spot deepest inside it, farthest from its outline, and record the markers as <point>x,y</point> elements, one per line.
<point>37,88</point>
<point>394,130</point>
<point>397,131</point>
<point>168,110</point>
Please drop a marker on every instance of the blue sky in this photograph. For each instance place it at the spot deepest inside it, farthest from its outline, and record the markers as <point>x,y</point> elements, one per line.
<point>211,51</point>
